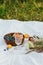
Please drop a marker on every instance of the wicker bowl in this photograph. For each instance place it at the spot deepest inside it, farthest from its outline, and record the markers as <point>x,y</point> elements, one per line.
<point>9,39</point>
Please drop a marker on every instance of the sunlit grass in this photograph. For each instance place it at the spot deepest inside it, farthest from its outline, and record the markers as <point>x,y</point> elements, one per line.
<point>29,10</point>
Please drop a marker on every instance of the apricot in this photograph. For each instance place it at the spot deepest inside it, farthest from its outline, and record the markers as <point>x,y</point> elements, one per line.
<point>9,46</point>
<point>26,36</point>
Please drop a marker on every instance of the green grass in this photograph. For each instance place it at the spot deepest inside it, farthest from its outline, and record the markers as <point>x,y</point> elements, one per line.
<point>28,10</point>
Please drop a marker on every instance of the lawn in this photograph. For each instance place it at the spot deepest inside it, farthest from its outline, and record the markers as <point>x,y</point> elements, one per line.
<point>24,10</point>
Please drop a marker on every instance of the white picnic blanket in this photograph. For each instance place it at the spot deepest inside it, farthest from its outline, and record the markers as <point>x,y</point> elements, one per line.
<point>14,56</point>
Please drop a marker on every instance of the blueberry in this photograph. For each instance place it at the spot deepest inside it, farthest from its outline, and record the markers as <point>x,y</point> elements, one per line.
<point>4,49</point>
<point>7,48</point>
<point>9,38</point>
